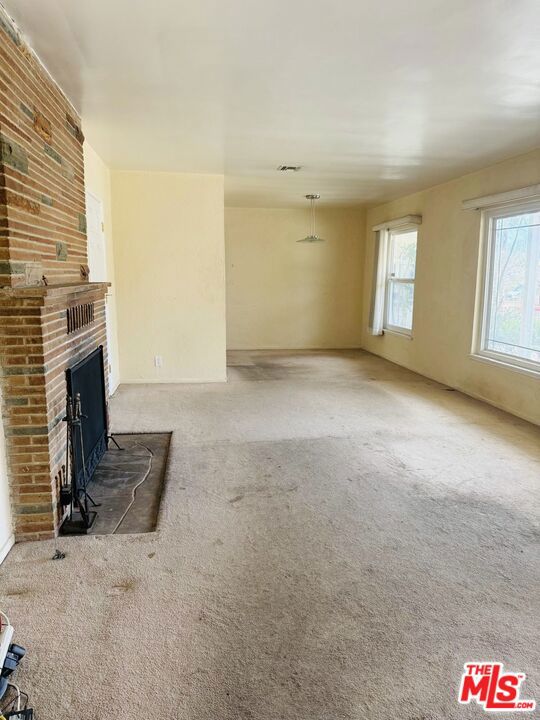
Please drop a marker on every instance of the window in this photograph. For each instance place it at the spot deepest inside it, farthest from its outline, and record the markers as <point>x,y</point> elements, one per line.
<point>400,275</point>
<point>394,270</point>
<point>509,327</point>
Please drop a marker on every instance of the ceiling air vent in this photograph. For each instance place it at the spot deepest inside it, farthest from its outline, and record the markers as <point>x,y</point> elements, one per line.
<point>289,168</point>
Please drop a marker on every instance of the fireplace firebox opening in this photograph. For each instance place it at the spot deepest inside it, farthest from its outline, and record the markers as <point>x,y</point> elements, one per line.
<point>87,436</point>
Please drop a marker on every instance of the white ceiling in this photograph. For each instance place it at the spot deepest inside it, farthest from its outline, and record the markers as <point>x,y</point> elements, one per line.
<point>374,98</point>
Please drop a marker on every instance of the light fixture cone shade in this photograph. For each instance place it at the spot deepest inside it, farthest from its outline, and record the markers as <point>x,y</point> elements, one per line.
<point>311,238</point>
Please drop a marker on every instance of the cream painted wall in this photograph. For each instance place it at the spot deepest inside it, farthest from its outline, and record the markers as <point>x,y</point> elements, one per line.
<point>170,269</point>
<point>446,273</point>
<point>98,182</point>
<point>6,529</point>
<point>284,294</point>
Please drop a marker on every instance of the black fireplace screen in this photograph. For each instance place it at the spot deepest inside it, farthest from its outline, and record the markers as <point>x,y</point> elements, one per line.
<point>87,378</point>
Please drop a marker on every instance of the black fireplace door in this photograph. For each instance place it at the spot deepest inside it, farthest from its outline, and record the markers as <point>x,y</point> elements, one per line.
<point>87,378</point>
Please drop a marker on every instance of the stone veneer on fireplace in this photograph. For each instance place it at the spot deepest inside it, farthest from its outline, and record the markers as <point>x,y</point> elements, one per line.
<point>50,315</point>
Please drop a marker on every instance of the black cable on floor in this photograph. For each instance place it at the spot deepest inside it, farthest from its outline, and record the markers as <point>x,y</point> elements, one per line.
<point>134,491</point>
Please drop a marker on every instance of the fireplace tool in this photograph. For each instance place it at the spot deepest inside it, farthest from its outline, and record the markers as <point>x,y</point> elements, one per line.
<point>75,495</point>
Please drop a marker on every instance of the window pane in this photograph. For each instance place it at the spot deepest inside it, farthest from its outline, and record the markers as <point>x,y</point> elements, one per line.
<point>403,254</point>
<point>514,302</point>
<point>400,304</point>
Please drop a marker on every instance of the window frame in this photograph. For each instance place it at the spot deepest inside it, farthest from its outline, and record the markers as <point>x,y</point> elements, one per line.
<point>485,280</point>
<point>388,279</point>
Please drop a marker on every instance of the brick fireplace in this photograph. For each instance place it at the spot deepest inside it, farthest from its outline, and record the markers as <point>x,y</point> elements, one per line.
<point>51,315</point>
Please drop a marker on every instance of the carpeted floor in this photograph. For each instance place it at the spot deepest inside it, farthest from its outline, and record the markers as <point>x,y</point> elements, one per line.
<point>337,537</point>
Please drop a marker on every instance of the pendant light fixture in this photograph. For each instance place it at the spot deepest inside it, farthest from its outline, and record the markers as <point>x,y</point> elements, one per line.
<point>312,237</point>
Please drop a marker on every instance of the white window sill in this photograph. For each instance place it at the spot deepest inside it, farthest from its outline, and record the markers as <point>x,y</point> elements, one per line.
<point>400,333</point>
<point>505,365</point>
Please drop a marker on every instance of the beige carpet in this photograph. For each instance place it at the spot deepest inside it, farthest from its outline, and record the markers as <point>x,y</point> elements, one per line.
<point>337,537</point>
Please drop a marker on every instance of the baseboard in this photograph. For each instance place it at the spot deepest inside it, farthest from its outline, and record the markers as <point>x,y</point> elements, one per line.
<point>459,388</point>
<point>6,547</point>
<point>498,406</point>
<point>318,348</point>
<point>173,381</point>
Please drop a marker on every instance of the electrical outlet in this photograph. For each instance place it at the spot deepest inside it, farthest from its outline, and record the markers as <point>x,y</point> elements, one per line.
<point>158,361</point>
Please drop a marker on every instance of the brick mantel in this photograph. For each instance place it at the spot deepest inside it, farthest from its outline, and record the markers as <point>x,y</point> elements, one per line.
<point>43,331</point>
<point>52,291</point>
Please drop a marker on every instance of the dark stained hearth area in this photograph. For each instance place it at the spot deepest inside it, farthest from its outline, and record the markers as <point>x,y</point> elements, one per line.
<point>138,468</point>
